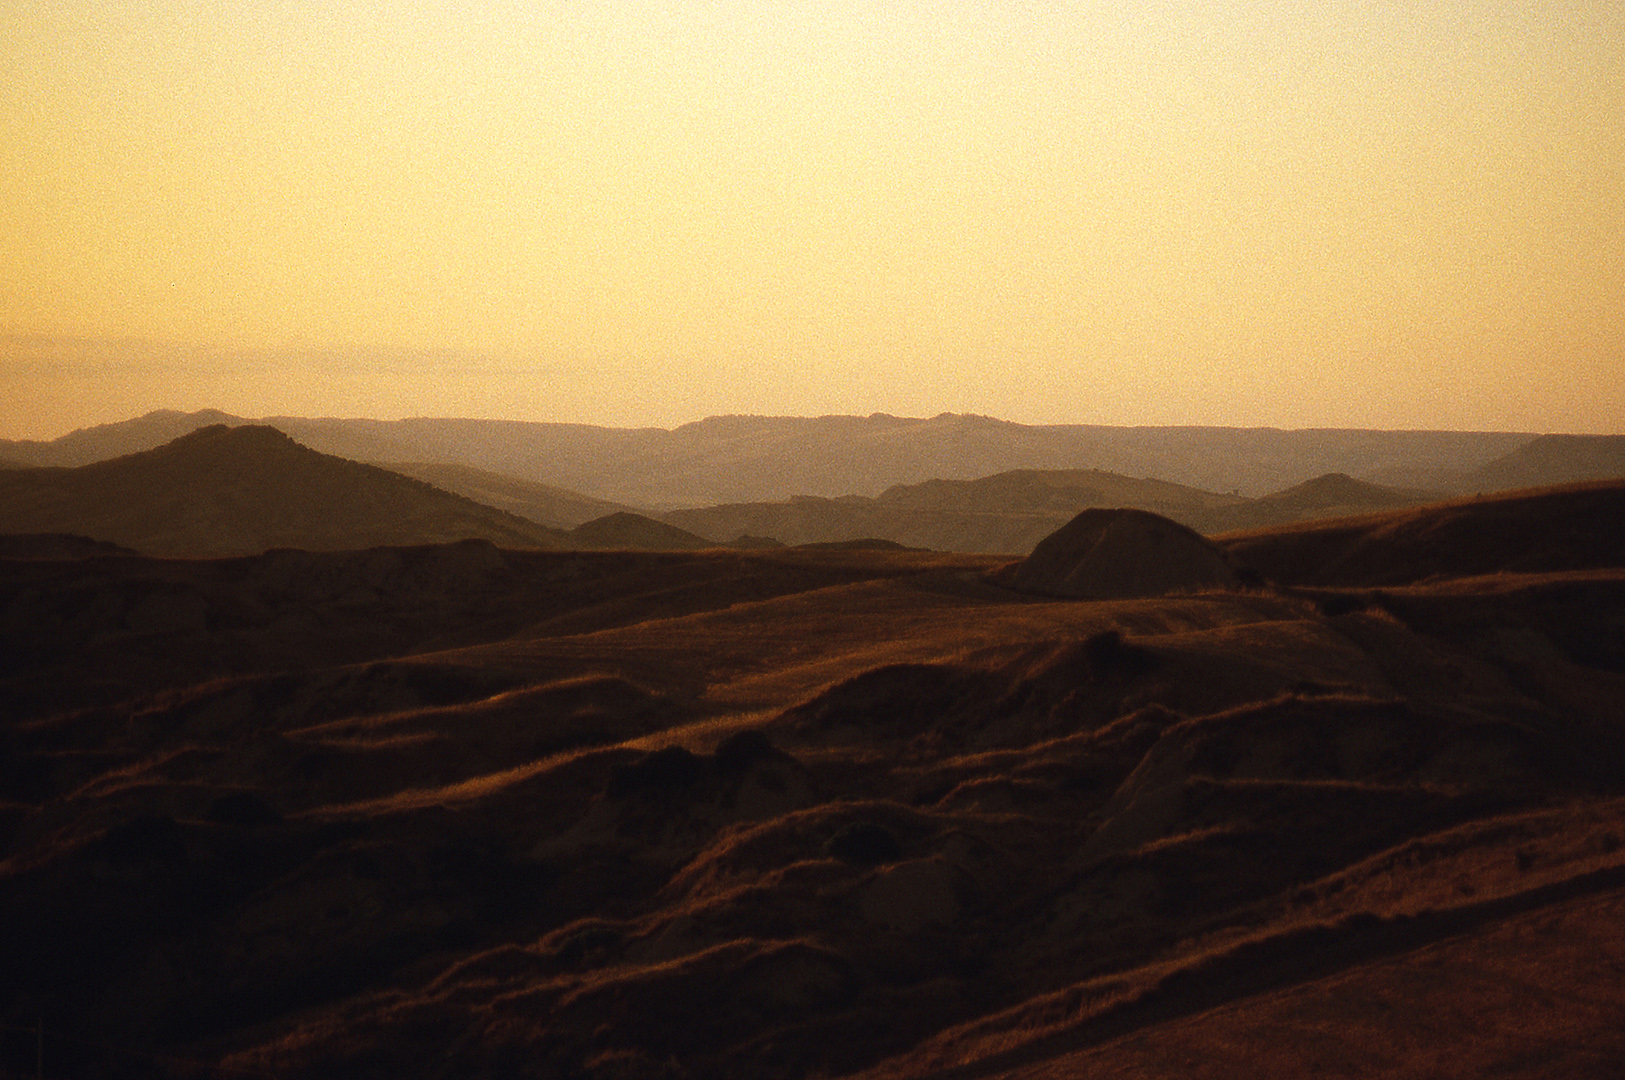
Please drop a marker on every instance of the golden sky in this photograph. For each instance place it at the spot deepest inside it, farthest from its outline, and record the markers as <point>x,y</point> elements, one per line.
<point>1361,214</point>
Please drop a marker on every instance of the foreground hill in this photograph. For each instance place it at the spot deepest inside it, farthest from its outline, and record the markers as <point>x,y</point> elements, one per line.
<point>458,811</point>
<point>730,459</point>
<point>229,491</point>
<point>1573,527</point>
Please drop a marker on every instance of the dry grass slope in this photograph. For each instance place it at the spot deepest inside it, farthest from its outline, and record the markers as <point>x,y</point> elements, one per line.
<point>460,811</point>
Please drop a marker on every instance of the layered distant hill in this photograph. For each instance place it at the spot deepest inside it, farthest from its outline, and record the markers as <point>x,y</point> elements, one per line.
<point>242,490</point>
<point>757,459</point>
<point>1331,496</point>
<point>1011,512</point>
<point>1552,459</point>
<point>634,532</point>
<point>550,506</point>
<point>1008,512</point>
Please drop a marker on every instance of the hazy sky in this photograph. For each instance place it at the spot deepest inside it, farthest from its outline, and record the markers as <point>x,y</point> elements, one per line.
<point>1295,214</point>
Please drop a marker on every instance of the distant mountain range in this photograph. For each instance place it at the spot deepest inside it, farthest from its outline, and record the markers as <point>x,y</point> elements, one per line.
<point>1007,512</point>
<point>736,459</point>
<point>221,489</point>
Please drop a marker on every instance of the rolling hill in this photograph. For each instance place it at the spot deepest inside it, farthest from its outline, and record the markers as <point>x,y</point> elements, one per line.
<point>242,490</point>
<point>1009,512</point>
<point>1552,459</point>
<point>1331,496</point>
<point>732,459</point>
<point>459,811</point>
<point>1570,527</point>
<point>550,506</point>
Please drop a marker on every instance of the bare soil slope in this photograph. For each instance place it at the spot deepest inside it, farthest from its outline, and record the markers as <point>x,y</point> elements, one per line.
<point>1571,527</point>
<point>459,811</point>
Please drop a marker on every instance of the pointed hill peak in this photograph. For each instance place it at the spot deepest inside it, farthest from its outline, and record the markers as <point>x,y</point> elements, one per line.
<point>1341,489</point>
<point>627,530</point>
<point>224,490</point>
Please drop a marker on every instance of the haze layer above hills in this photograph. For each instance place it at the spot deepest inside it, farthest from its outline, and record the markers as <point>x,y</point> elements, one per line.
<point>752,459</point>
<point>459,811</point>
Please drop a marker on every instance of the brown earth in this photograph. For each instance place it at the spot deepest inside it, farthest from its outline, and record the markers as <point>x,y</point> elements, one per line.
<point>460,811</point>
<point>1571,527</point>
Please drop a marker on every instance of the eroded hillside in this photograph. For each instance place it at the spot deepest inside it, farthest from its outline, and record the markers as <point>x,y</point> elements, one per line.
<point>802,813</point>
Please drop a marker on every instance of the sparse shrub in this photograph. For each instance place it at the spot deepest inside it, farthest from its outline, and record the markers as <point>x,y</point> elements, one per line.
<point>243,809</point>
<point>1341,604</point>
<point>150,838</point>
<point>670,769</point>
<point>584,943</point>
<point>864,844</point>
<point>1251,580</point>
<point>1109,655</point>
<point>743,749</point>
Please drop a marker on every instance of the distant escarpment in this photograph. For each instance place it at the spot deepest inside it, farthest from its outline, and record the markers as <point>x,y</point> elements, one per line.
<point>735,459</point>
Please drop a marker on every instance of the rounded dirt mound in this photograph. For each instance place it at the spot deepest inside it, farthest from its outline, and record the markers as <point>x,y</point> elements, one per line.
<point>1113,554</point>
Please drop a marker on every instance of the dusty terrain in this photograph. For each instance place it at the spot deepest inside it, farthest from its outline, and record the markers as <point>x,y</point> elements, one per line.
<point>462,811</point>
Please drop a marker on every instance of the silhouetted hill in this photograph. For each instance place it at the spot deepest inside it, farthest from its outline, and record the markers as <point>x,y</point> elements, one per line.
<point>1553,459</point>
<point>242,490</point>
<point>1329,496</point>
<point>105,441</point>
<point>1009,512</point>
<point>1111,554</point>
<point>56,546</point>
<point>634,532</point>
<point>550,506</point>
<point>1574,527</point>
<point>735,459</point>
